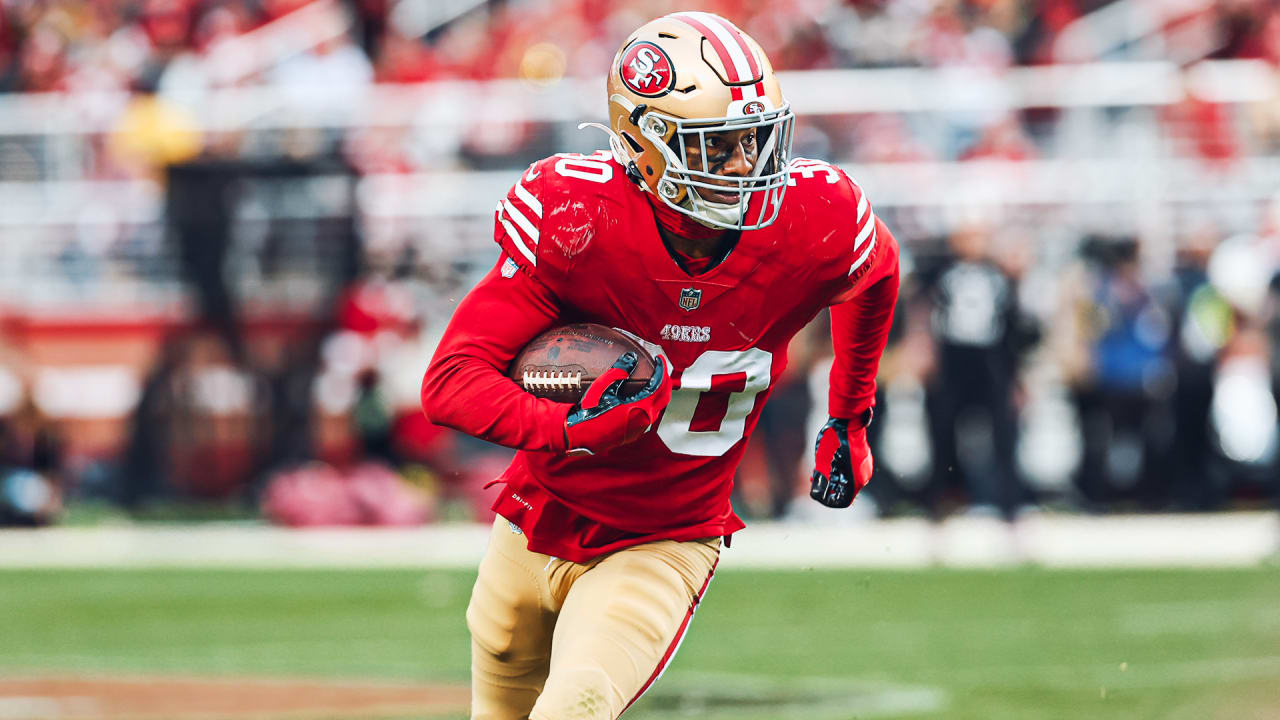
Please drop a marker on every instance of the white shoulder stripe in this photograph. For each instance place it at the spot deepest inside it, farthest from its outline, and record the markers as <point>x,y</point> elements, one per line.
<point>521,220</point>
<point>528,199</point>
<point>868,230</point>
<point>863,257</point>
<point>862,204</point>
<point>515,237</point>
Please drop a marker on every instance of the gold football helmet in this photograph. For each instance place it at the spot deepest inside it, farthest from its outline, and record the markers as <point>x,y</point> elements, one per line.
<point>675,82</point>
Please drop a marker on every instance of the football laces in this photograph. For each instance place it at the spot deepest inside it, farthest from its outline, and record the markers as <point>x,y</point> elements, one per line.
<point>552,380</point>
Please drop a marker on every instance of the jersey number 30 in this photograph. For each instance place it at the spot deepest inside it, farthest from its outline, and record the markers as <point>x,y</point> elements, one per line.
<point>709,408</point>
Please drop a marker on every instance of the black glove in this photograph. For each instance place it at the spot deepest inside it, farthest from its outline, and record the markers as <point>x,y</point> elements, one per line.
<point>842,462</point>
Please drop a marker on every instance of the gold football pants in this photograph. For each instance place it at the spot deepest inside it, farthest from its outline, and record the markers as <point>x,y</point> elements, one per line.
<point>558,640</point>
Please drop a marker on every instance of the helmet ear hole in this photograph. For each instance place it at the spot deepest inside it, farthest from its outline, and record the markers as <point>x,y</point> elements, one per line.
<point>632,142</point>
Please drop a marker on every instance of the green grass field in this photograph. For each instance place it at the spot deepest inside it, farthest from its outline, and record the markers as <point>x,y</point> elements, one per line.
<point>817,645</point>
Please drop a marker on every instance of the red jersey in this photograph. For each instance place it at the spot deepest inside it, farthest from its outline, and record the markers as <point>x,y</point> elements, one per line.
<point>581,244</point>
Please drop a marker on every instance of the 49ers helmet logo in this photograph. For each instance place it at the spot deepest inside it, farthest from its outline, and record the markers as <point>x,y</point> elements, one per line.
<point>646,70</point>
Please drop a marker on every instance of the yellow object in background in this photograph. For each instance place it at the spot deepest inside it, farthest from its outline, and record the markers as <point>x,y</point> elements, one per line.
<point>152,134</point>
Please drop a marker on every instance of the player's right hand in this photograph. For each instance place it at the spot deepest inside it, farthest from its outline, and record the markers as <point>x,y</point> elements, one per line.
<point>603,419</point>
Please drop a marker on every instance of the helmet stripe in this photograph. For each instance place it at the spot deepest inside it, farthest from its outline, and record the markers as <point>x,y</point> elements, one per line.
<point>721,50</point>
<point>732,65</point>
<point>734,53</point>
<point>736,34</point>
<point>733,45</point>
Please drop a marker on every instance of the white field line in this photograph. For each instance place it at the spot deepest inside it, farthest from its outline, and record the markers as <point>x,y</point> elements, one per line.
<point>816,698</point>
<point>219,664</point>
<point>47,708</point>
<point>1225,540</point>
<point>1198,617</point>
<point>1122,674</point>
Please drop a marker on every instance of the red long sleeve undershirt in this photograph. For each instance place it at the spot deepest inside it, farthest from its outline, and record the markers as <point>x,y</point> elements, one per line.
<point>859,332</point>
<point>466,387</point>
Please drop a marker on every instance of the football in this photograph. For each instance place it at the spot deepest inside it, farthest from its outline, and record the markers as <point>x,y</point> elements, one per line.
<point>561,363</point>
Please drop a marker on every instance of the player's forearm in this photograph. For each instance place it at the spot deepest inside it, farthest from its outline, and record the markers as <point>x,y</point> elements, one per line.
<point>859,332</point>
<point>465,388</point>
<point>470,395</point>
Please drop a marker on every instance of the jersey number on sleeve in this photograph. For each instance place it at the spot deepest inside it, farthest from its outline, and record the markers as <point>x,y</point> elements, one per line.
<point>808,169</point>
<point>596,168</point>
<point>709,408</point>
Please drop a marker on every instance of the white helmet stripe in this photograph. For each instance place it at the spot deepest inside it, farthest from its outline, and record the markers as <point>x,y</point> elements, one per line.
<point>735,47</point>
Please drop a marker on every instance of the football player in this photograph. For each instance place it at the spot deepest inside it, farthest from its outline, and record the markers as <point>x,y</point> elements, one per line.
<point>698,233</point>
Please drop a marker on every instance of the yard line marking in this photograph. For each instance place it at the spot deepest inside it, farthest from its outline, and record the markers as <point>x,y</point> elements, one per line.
<point>1136,675</point>
<point>698,694</point>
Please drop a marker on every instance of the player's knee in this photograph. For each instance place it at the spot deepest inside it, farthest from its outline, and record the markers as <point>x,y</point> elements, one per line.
<point>585,693</point>
<point>495,635</point>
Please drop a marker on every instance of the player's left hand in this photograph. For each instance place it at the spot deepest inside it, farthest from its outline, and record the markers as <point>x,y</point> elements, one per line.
<point>843,463</point>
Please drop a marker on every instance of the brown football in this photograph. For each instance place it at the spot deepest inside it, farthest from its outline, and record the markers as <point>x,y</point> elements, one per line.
<point>561,363</point>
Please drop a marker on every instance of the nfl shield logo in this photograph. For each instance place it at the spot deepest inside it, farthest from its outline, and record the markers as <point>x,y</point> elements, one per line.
<point>690,298</point>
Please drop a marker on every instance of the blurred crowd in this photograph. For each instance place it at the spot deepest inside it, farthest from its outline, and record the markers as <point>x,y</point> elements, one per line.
<point>1095,383</point>
<point>95,45</point>
<point>1084,365</point>
<point>171,53</point>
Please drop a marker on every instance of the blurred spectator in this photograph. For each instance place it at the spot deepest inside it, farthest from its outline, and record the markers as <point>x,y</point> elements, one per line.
<point>336,64</point>
<point>145,472</point>
<point>1203,129</point>
<point>190,74</point>
<point>404,59</point>
<point>1242,28</point>
<point>42,61</point>
<point>1124,403</point>
<point>1243,422</point>
<point>369,494</point>
<point>981,336</point>
<point>1003,139</point>
<point>153,133</point>
<point>1205,322</point>
<point>900,435</point>
<point>327,81</point>
<point>32,483</point>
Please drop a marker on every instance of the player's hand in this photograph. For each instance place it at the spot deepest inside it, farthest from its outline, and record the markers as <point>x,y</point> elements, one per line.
<point>843,463</point>
<point>603,419</point>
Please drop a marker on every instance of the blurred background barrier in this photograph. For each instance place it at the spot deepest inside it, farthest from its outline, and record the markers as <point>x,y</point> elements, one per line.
<point>1111,543</point>
<point>230,233</point>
